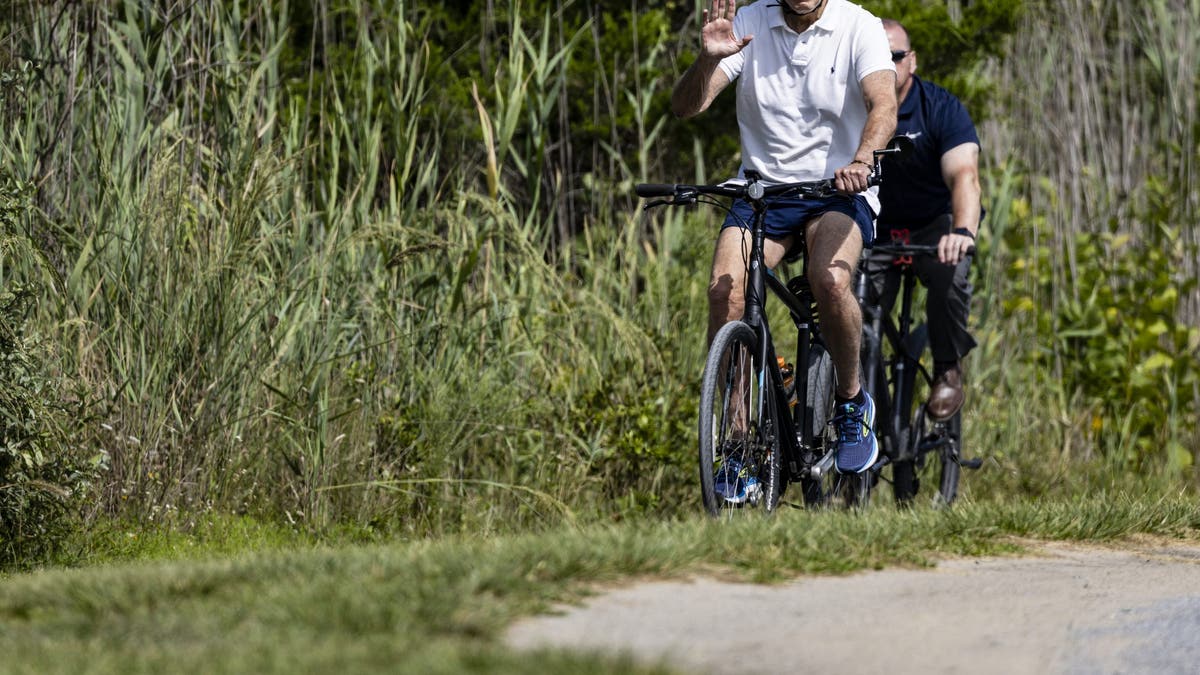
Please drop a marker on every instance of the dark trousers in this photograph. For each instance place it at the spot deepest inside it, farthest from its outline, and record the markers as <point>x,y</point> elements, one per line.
<point>948,300</point>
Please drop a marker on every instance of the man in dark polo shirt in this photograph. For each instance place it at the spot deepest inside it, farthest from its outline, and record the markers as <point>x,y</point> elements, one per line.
<point>932,196</point>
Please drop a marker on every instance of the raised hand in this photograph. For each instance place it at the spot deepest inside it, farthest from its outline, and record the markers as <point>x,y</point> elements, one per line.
<point>716,37</point>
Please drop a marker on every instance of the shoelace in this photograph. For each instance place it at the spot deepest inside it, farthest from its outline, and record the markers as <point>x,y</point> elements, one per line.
<point>850,423</point>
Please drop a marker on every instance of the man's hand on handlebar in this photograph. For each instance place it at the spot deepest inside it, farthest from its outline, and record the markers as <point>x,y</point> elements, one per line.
<point>853,178</point>
<point>952,248</point>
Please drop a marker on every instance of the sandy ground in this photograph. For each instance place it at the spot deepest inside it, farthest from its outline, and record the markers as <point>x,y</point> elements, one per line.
<point>1065,609</point>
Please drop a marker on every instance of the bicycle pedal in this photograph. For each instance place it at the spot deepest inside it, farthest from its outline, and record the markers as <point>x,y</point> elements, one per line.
<point>974,463</point>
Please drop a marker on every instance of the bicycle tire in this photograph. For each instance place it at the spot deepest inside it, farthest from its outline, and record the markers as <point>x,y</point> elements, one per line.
<point>907,475</point>
<point>951,470</point>
<point>732,388</point>
<point>905,480</point>
<point>858,490</point>
<point>819,396</point>
<point>905,483</point>
<point>819,399</point>
<point>847,490</point>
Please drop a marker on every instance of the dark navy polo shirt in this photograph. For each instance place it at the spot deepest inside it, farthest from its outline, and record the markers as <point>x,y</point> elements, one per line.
<point>913,192</point>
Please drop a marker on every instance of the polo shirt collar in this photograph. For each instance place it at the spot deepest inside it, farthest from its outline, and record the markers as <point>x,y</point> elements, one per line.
<point>832,16</point>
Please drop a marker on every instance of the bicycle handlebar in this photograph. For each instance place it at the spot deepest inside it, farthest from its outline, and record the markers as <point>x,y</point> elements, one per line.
<point>655,189</point>
<point>753,189</point>
<point>910,249</point>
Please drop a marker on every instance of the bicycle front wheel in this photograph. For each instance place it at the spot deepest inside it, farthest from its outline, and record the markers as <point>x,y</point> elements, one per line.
<point>935,456</point>
<point>739,427</point>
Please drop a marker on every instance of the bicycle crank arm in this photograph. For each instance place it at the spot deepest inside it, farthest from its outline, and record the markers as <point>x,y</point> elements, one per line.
<point>822,467</point>
<point>932,444</point>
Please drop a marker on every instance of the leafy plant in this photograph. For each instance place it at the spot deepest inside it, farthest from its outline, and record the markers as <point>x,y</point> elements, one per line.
<point>42,476</point>
<point>1118,342</point>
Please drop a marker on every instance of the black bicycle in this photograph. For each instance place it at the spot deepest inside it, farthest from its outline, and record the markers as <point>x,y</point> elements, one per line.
<point>751,432</point>
<point>918,447</point>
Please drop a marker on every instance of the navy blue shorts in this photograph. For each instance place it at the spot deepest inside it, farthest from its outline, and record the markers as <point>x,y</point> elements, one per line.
<point>788,216</point>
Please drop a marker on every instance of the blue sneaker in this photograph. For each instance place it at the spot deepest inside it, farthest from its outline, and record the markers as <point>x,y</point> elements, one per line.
<point>736,483</point>
<point>857,448</point>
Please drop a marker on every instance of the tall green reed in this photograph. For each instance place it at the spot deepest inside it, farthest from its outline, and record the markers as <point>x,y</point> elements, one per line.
<point>284,295</point>
<point>1101,254</point>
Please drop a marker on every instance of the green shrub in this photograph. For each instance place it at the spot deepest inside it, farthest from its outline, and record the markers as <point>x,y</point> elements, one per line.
<point>41,476</point>
<point>1112,339</point>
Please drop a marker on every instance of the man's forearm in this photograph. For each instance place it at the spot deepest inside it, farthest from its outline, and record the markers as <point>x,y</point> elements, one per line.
<point>691,95</point>
<point>878,131</point>
<point>879,95</point>
<point>965,201</point>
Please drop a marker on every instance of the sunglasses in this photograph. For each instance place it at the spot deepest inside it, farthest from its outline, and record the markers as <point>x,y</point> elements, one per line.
<point>897,57</point>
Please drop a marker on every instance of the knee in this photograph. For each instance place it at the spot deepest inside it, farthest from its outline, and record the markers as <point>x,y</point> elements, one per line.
<point>830,282</point>
<point>722,295</point>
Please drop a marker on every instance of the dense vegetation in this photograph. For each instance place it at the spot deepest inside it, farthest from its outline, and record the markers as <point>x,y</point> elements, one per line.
<point>368,266</point>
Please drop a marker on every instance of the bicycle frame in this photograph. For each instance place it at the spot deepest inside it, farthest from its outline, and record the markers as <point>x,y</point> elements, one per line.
<point>795,434</point>
<point>796,448</point>
<point>758,280</point>
<point>905,364</point>
<point>907,345</point>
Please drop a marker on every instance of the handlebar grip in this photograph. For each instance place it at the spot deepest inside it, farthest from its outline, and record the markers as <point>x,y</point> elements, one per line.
<point>654,189</point>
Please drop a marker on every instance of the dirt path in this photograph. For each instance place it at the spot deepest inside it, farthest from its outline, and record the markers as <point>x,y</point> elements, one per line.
<point>1067,609</point>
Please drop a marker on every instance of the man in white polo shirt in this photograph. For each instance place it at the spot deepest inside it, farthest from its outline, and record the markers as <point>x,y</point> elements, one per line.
<point>816,95</point>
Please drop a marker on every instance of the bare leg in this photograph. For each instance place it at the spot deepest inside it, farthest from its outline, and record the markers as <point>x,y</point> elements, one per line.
<point>727,285</point>
<point>727,301</point>
<point>834,246</point>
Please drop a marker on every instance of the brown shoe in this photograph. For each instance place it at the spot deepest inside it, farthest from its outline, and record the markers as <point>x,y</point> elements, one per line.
<point>947,395</point>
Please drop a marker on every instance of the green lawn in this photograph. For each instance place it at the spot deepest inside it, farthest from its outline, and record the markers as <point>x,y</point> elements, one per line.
<point>439,606</point>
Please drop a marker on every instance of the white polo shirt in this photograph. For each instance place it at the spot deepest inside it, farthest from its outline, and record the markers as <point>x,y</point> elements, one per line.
<point>800,103</point>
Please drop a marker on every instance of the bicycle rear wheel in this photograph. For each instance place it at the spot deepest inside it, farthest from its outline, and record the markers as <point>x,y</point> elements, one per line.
<point>819,400</point>
<point>937,447</point>
<point>739,427</point>
<point>858,487</point>
<point>831,489</point>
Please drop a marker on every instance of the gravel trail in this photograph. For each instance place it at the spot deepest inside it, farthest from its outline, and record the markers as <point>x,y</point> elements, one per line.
<point>1064,609</point>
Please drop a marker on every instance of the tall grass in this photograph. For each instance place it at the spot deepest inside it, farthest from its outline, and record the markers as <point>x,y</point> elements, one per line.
<point>293,283</point>
<point>1100,241</point>
<point>286,294</point>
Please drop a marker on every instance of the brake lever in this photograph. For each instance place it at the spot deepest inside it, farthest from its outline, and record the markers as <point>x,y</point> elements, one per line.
<point>688,197</point>
<point>678,200</point>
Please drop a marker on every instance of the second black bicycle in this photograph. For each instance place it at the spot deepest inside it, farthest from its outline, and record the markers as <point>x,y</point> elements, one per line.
<point>920,448</point>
